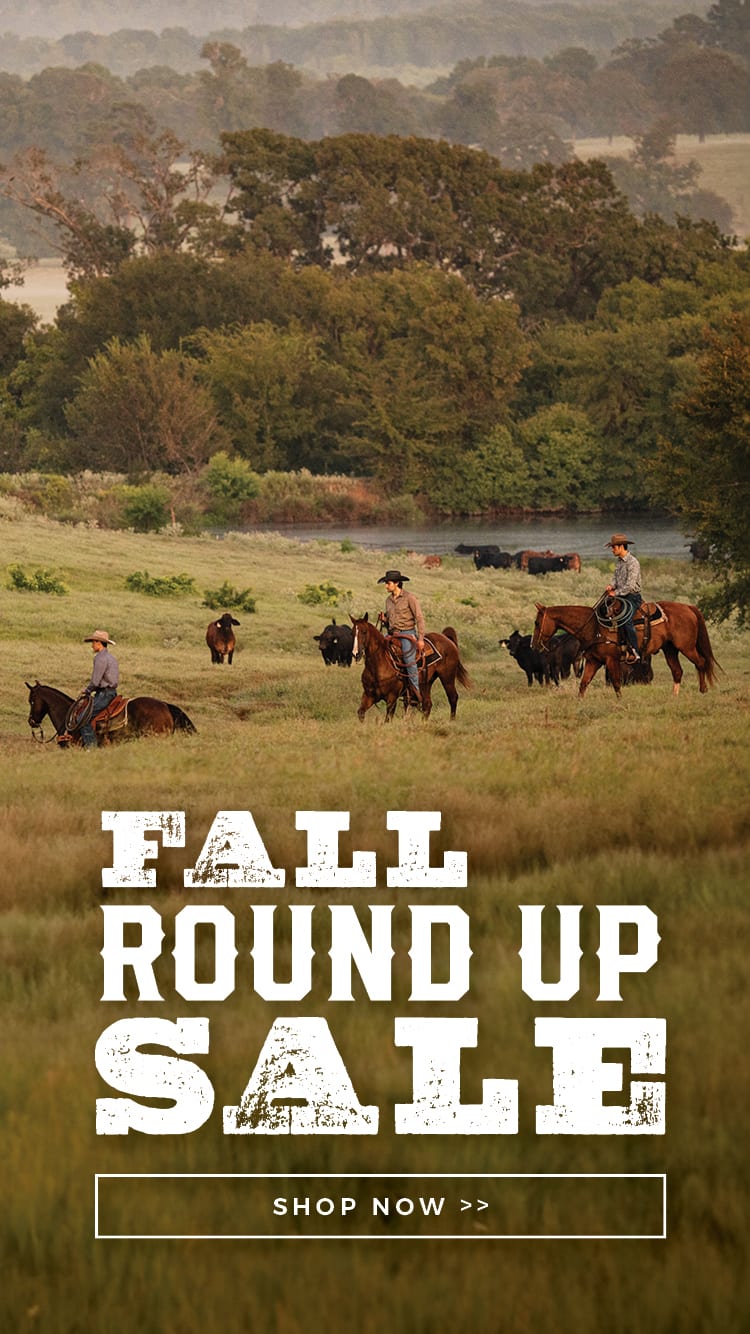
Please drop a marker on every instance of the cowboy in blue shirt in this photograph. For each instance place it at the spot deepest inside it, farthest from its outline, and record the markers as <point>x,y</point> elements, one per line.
<point>103,685</point>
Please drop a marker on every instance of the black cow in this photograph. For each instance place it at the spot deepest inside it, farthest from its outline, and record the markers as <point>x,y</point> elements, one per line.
<point>336,643</point>
<point>487,558</point>
<point>220,638</point>
<point>546,564</point>
<point>537,666</point>
<point>565,654</point>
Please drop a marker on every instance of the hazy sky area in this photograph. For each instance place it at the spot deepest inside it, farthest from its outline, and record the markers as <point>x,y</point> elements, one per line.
<point>57,18</point>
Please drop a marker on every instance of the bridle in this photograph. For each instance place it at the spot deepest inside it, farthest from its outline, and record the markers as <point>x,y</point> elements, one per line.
<point>538,640</point>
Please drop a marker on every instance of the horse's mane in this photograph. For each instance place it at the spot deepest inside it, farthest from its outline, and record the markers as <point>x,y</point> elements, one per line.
<point>53,690</point>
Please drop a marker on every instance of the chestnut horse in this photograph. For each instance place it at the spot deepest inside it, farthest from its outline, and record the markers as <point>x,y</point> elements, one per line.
<point>384,676</point>
<point>683,630</point>
<point>144,716</point>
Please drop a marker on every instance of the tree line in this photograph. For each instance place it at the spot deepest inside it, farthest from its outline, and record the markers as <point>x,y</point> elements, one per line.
<point>692,77</point>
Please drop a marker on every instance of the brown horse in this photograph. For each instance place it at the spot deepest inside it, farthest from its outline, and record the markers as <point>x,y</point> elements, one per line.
<point>384,676</point>
<point>682,630</point>
<point>143,716</point>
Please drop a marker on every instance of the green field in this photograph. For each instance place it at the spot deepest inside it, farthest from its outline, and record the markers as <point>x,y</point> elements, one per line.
<point>556,801</point>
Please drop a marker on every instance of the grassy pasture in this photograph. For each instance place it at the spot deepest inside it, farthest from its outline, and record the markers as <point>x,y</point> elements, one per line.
<point>556,801</point>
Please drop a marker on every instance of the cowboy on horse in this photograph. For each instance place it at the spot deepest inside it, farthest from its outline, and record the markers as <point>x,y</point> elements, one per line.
<point>102,687</point>
<point>405,623</point>
<point>626,586</point>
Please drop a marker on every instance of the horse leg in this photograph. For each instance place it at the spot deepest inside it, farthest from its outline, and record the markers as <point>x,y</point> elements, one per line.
<point>365,703</point>
<point>589,672</point>
<point>449,686</point>
<point>615,674</point>
<point>673,662</point>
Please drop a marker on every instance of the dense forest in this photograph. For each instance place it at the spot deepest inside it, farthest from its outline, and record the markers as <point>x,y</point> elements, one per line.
<point>469,328</point>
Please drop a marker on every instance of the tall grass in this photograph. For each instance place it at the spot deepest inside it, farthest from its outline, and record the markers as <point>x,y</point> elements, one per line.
<point>556,801</point>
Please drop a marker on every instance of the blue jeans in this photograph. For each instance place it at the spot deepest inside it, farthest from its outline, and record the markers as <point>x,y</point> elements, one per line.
<point>101,699</point>
<point>632,601</point>
<point>409,653</point>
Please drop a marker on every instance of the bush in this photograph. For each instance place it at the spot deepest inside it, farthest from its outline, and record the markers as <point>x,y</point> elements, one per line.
<point>229,597</point>
<point>37,581</point>
<point>327,595</point>
<point>169,585</point>
<point>145,508</point>
<point>230,480</point>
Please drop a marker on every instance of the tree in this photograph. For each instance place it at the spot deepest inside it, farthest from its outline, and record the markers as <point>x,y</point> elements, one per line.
<point>655,182</point>
<point>272,388</point>
<point>123,198</point>
<point>139,410</point>
<point>702,470</point>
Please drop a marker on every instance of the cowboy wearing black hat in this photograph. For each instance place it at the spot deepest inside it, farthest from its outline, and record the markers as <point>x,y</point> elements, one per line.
<point>405,621</point>
<point>626,585</point>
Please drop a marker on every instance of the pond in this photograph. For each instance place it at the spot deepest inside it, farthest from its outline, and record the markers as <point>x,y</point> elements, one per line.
<point>651,534</point>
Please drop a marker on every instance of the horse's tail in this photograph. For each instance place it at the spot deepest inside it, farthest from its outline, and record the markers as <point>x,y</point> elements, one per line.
<point>703,645</point>
<point>462,676</point>
<point>181,721</point>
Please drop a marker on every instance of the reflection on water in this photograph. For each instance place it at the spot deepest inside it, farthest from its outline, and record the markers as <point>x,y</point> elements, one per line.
<point>652,535</point>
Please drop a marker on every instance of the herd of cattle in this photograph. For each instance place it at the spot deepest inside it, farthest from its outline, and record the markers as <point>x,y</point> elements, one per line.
<point>336,642</point>
<point>490,557</point>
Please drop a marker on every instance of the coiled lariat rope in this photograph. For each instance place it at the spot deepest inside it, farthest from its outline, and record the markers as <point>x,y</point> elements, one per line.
<point>612,620</point>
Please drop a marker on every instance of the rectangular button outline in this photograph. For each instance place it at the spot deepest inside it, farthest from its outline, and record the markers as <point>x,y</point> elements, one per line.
<point>381,1176</point>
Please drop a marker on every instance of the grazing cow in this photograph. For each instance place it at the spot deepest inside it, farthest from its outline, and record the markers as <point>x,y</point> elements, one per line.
<point>522,557</point>
<point>535,664</point>
<point>335,643</point>
<point>487,559</point>
<point>572,561</point>
<point>546,564</point>
<point>432,562</point>
<point>220,638</point>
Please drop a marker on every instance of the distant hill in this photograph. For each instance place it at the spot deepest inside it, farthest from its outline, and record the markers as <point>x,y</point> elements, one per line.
<point>367,37</point>
<point>57,18</point>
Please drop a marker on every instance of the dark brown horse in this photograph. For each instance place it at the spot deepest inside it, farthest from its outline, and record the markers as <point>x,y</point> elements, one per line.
<point>682,630</point>
<point>143,717</point>
<point>384,676</point>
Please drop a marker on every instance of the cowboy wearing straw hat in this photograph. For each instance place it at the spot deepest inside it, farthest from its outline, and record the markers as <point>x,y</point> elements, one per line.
<point>105,678</point>
<point>405,621</point>
<point>626,585</point>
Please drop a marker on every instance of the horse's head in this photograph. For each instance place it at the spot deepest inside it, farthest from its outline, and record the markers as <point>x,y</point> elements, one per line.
<point>37,703</point>
<point>544,628</point>
<point>362,629</point>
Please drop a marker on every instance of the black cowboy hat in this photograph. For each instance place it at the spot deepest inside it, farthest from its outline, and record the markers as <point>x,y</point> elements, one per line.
<point>394,577</point>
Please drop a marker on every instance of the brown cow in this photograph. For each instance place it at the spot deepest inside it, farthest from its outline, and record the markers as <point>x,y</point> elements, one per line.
<point>220,638</point>
<point>432,562</point>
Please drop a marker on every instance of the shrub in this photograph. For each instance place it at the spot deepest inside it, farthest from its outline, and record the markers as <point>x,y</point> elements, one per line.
<point>230,479</point>
<point>316,595</point>
<point>229,597</point>
<point>169,585</point>
<point>35,581</point>
<point>145,508</point>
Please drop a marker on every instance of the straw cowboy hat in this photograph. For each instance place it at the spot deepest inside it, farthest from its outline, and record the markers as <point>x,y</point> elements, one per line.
<point>100,636</point>
<point>394,577</point>
<point>618,540</point>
